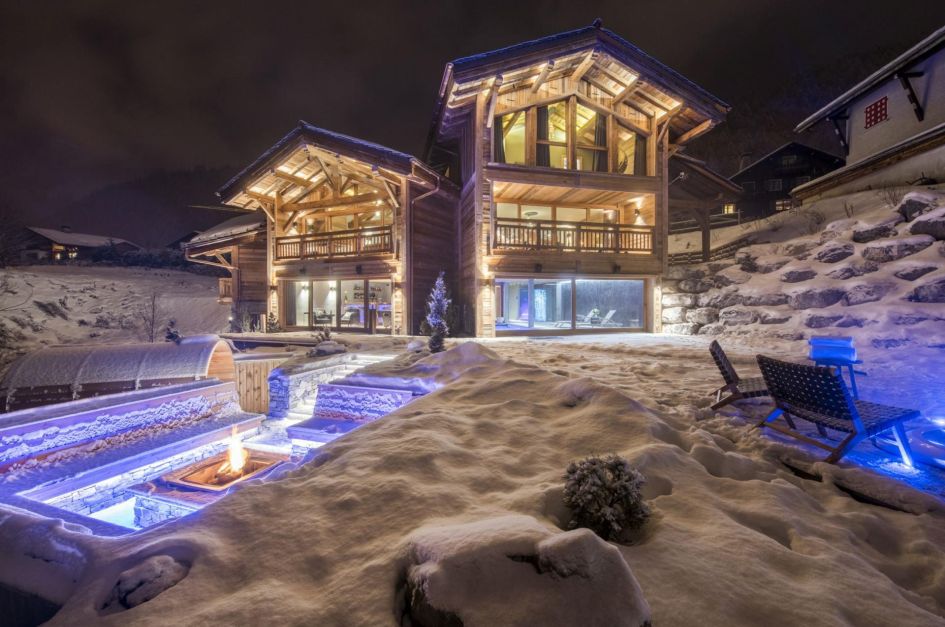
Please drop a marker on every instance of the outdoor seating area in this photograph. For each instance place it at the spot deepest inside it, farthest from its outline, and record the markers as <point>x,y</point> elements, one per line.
<point>819,395</point>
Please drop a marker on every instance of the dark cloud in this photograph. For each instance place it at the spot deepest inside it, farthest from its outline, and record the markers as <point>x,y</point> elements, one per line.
<point>98,92</point>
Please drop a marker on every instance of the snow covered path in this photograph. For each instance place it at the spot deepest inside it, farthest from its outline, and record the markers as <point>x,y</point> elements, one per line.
<point>736,538</point>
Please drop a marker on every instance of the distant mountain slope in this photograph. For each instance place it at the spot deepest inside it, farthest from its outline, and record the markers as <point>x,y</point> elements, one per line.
<point>152,211</point>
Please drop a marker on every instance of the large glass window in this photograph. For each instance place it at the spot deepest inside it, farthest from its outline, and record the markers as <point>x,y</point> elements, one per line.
<point>535,304</point>
<point>509,138</point>
<point>631,152</point>
<point>297,303</point>
<point>324,303</point>
<point>352,304</point>
<point>379,300</point>
<point>506,210</point>
<point>552,138</point>
<point>591,140</point>
<point>610,303</point>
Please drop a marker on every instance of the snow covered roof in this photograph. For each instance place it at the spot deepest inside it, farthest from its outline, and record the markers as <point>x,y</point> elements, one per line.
<point>63,373</point>
<point>366,151</point>
<point>234,227</point>
<point>916,53</point>
<point>85,240</point>
<point>782,148</point>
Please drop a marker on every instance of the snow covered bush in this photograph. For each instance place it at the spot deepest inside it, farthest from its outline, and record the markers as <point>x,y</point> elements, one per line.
<point>604,495</point>
<point>272,324</point>
<point>437,305</point>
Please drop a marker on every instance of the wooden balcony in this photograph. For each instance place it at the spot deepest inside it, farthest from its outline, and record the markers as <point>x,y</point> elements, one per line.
<point>531,235</point>
<point>354,243</point>
<point>225,286</point>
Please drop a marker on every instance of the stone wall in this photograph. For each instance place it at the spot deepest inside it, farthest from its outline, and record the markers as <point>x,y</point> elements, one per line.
<point>292,383</point>
<point>883,277</point>
<point>42,430</point>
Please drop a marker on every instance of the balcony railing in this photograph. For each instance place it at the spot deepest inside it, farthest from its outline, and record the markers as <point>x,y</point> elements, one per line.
<point>512,234</point>
<point>225,286</point>
<point>355,243</point>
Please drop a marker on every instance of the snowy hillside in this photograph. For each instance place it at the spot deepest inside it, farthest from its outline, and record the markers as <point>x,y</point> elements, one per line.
<point>856,265</point>
<point>43,305</point>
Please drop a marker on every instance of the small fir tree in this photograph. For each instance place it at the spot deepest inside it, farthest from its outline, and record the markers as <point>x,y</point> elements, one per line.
<point>272,324</point>
<point>437,305</point>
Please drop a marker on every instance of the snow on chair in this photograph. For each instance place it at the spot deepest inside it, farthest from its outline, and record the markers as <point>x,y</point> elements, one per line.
<point>828,350</point>
<point>736,387</point>
<point>818,394</point>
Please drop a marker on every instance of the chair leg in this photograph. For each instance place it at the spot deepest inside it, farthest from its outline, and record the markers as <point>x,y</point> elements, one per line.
<point>790,421</point>
<point>903,443</point>
<point>770,417</point>
<point>731,398</point>
<point>822,431</point>
<point>853,389</point>
<point>845,447</point>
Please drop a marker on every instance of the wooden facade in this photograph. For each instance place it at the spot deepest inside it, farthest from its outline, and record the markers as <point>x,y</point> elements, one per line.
<point>544,197</point>
<point>561,148</point>
<point>351,235</point>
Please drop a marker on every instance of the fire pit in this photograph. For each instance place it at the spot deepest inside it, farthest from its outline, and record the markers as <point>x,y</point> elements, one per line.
<point>223,470</point>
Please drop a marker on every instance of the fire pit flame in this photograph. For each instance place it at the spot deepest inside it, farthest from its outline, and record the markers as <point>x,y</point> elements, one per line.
<point>224,469</point>
<point>235,458</point>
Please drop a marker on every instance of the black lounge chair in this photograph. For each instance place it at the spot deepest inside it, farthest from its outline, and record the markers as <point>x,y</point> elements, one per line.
<point>736,387</point>
<point>819,395</point>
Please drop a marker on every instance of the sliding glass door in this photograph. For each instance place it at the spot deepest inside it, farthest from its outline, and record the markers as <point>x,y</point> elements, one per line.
<point>536,304</point>
<point>347,304</point>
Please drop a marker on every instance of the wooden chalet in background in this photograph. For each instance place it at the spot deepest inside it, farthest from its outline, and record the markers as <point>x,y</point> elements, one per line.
<point>767,183</point>
<point>344,233</point>
<point>545,197</point>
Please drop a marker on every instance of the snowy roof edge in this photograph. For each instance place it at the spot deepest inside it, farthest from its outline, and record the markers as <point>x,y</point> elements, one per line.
<point>927,46</point>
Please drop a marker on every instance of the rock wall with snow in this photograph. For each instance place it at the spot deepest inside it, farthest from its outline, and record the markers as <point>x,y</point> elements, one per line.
<point>878,277</point>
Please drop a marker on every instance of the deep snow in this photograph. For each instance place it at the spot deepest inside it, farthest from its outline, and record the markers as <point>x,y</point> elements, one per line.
<point>735,537</point>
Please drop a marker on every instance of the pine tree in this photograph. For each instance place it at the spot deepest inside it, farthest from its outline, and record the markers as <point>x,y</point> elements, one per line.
<point>437,304</point>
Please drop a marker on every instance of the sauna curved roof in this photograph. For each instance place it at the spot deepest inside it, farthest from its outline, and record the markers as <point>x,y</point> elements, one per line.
<point>228,229</point>
<point>86,370</point>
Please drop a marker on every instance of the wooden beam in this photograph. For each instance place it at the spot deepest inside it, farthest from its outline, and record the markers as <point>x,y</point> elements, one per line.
<point>295,180</point>
<point>493,99</point>
<point>542,76</point>
<point>584,66</point>
<point>653,101</point>
<point>260,198</point>
<point>625,92</point>
<point>337,201</point>
<point>695,132</point>
<point>910,92</point>
<point>636,128</point>
<point>599,85</point>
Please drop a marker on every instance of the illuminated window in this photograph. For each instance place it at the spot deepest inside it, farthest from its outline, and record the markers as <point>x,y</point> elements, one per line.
<point>631,152</point>
<point>591,140</point>
<point>728,208</point>
<point>552,142</point>
<point>783,205</point>
<point>509,138</point>
<point>506,210</point>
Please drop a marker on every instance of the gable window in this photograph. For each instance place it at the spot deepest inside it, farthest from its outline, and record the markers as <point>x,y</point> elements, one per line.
<point>876,112</point>
<point>552,138</point>
<point>773,185</point>
<point>591,140</point>
<point>787,160</point>
<point>509,138</point>
<point>631,152</point>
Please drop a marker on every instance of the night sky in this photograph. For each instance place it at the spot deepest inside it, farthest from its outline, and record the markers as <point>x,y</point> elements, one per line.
<point>93,93</point>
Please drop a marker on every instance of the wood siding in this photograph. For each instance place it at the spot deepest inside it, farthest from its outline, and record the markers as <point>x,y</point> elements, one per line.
<point>432,247</point>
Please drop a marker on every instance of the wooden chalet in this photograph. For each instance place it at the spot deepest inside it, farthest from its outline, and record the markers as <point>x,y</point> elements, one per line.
<point>349,234</point>
<point>561,147</point>
<point>700,199</point>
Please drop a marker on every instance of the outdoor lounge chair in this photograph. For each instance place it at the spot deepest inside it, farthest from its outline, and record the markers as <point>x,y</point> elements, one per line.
<point>585,320</point>
<point>607,321</point>
<point>736,387</point>
<point>819,395</point>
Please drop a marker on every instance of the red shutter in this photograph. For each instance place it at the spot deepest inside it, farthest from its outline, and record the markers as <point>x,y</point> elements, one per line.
<point>875,113</point>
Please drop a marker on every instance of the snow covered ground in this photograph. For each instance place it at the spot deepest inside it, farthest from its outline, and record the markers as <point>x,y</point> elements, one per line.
<point>65,304</point>
<point>463,488</point>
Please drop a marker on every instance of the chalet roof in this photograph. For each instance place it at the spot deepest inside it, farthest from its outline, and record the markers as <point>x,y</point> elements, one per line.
<point>355,148</point>
<point>782,148</point>
<point>234,227</point>
<point>518,55</point>
<point>569,48</point>
<point>913,55</point>
<point>84,240</point>
<point>710,180</point>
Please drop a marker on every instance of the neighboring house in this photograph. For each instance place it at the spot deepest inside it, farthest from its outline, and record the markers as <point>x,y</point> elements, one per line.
<point>546,200</point>
<point>891,125</point>
<point>237,245</point>
<point>700,199</point>
<point>767,183</point>
<point>64,244</point>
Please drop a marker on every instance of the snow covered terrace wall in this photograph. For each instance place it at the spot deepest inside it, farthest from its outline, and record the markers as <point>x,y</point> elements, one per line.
<point>65,373</point>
